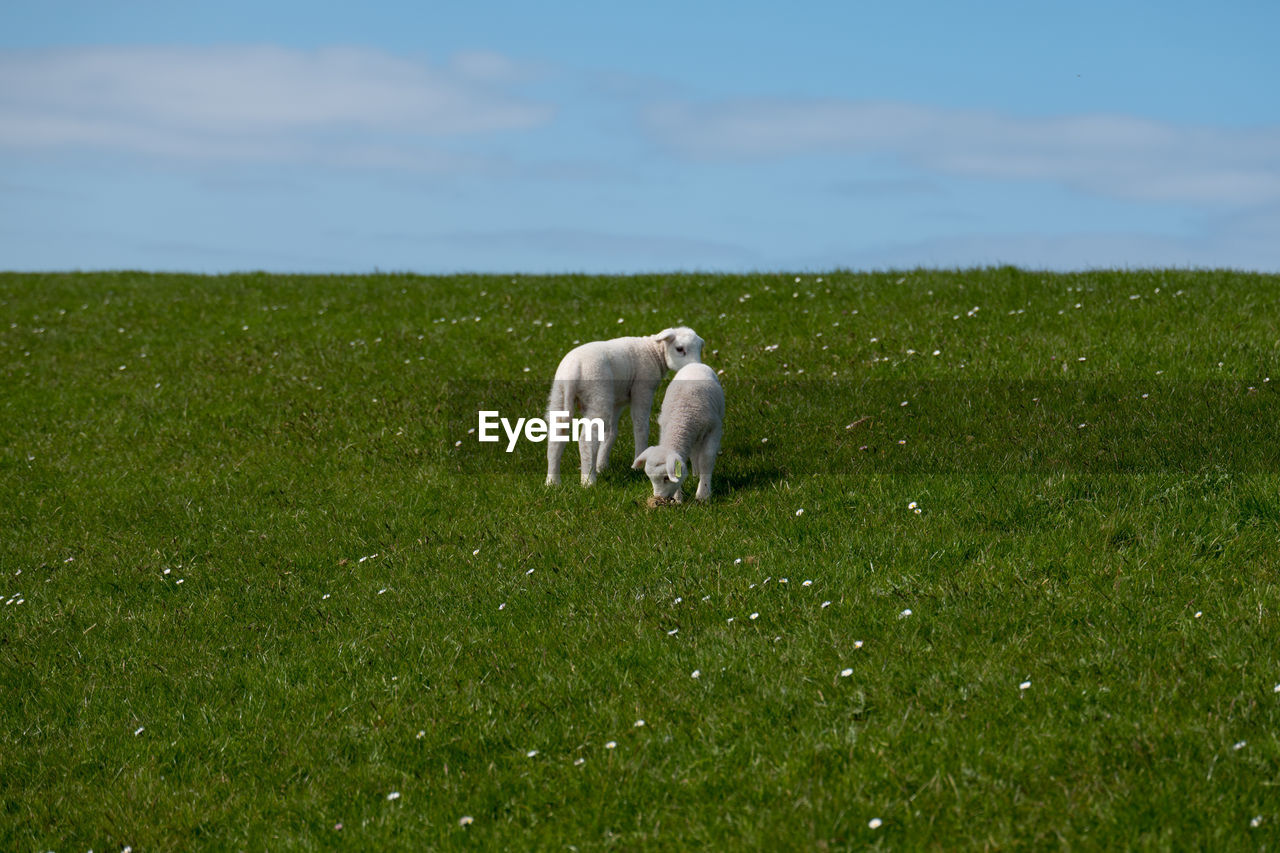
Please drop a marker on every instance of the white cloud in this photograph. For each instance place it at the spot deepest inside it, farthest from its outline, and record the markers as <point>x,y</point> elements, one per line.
<point>560,249</point>
<point>1106,155</point>
<point>487,66</point>
<point>1240,242</point>
<point>256,102</point>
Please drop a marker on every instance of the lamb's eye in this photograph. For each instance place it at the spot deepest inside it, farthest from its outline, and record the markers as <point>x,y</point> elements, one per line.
<point>680,350</point>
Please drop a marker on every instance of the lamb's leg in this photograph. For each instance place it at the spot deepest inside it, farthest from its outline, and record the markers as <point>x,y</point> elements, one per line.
<point>555,449</point>
<point>610,435</point>
<point>587,456</point>
<point>588,446</point>
<point>706,463</point>
<point>641,405</point>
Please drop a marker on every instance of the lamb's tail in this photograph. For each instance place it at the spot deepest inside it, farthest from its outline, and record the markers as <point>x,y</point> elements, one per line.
<point>563,393</point>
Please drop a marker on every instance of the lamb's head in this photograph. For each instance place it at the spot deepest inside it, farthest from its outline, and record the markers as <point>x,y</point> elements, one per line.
<point>681,345</point>
<point>665,469</point>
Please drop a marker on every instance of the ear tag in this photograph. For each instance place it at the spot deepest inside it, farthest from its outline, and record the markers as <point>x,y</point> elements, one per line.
<point>679,470</point>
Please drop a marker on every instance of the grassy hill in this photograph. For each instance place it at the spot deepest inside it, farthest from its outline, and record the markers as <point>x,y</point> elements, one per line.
<point>993,560</point>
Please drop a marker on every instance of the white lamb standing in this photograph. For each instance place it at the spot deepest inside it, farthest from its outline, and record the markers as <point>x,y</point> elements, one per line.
<point>604,377</point>
<point>691,424</point>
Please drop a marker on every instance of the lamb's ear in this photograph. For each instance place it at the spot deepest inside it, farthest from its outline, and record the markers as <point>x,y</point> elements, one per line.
<point>638,465</point>
<point>665,335</point>
<point>675,467</point>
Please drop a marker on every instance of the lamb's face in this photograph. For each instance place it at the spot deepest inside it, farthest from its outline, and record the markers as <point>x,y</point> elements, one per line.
<point>663,485</point>
<point>683,346</point>
<point>665,472</point>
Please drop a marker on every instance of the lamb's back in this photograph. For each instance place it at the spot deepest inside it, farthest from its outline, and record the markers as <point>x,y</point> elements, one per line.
<point>694,397</point>
<point>618,359</point>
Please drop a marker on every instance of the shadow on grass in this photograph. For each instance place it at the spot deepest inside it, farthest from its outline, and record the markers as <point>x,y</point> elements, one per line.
<point>746,481</point>
<point>750,468</point>
<point>739,469</point>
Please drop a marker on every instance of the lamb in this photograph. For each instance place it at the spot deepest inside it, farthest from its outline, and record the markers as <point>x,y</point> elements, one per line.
<point>691,424</point>
<point>604,377</point>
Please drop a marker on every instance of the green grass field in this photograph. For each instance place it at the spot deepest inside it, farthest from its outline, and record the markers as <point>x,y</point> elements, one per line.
<point>262,589</point>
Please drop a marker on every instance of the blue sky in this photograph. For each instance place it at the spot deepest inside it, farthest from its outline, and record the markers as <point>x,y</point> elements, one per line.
<point>602,137</point>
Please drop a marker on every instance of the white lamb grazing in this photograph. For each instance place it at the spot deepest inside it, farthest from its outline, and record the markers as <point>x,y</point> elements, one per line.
<point>604,377</point>
<point>691,423</point>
